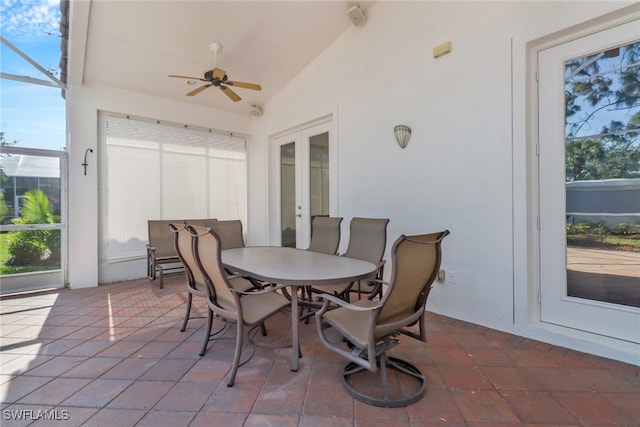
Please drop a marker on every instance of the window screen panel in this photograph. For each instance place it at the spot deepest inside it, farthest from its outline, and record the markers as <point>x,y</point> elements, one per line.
<point>163,171</point>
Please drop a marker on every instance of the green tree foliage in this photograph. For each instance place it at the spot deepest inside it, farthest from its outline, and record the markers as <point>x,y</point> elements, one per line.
<point>603,90</point>
<point>602,158</point>
<point>33,246</point>
<point>4,141</point>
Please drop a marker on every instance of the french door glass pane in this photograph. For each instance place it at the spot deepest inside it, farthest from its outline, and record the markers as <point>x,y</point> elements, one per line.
<point>319,174</point>
<point>288,194</point>
<point>602,154</point>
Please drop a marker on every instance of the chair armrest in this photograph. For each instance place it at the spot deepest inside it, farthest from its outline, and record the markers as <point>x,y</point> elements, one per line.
<point>258,292</point>
<point>330,298</point>
<point>379,282</point>
<point>376,284</point>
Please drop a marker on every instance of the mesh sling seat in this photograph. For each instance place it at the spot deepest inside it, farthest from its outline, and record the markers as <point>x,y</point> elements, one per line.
<point>325,238</point>
<point>370,327</point>
<point>245,308</point>
<point>194,279</point>
<point>231,236</point>
<point>367,241</point>
<point>230,233</point>
<point>325,234</point>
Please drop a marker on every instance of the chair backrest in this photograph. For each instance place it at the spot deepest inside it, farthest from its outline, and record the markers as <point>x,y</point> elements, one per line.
<point>184,250</point>
<point>416,260</point>
<point>325,234</point>
<point>367,239</point>
<point>160,237</point>
<point>203,222</point>
<point>206,251</point>
<point>230,233</point>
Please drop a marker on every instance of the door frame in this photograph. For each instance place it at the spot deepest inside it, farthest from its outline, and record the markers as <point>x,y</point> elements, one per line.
<point>621,348</point>
<point>40,280</point>
<point>298,134</point>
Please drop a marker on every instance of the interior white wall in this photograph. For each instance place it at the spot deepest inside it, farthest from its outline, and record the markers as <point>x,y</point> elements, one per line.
<point>467,167</point>
<point>83,105</point>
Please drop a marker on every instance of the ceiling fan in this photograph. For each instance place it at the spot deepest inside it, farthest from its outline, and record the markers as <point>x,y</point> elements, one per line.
<point>218,78</point>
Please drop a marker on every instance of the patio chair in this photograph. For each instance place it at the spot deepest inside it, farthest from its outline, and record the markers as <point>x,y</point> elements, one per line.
<point>194,279</point>
<point>325,234</point>
<point>231,236</point>
<point>325,238</point>
<point>226,299</point>
<point>370,327</point>
<point>367,241</point>
<point>230,233</point>
<point>160,250</point>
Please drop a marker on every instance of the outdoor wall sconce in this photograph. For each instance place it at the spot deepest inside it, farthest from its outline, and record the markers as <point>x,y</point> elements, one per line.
<point>85,164</point>
<point>403,134</point>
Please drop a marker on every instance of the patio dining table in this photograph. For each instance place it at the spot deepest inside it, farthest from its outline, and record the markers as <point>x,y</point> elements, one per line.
<point>295,268</point>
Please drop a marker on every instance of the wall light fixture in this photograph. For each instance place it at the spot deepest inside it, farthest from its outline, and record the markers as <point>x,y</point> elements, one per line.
<point>403,134</point>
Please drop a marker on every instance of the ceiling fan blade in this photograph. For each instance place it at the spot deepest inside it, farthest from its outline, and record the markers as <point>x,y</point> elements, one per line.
<point>198,90</point>
<point>219,73</point>
<point>187,77</point>
<point>231,94</point>
<point>243,85</point>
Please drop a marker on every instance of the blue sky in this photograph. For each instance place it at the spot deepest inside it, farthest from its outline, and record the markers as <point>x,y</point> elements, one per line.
<point>34,115</point>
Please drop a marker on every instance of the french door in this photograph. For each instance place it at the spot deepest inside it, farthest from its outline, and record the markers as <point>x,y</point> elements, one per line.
<point>589,145</point>
<point>304,184</point>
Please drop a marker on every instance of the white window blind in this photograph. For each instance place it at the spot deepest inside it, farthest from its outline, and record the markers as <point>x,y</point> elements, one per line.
<point>164,171</point>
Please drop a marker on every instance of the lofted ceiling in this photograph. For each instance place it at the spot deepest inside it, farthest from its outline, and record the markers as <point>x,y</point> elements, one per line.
<point>135,45</point>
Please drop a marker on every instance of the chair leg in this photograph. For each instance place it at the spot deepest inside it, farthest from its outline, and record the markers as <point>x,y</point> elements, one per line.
<point>307,294</point>
<point>263,329</point>
<point>151,269</point>
<point>207,333</point>
<point>238,353</point>
<point>382,362</point>
<point>161,273</point>
<point>188,312</point>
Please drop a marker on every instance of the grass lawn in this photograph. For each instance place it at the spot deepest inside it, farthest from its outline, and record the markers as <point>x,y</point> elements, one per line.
<point>615,242</point>
<point>4,250</point>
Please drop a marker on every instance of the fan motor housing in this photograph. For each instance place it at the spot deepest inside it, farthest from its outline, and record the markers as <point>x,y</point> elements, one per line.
<point>216,82</point>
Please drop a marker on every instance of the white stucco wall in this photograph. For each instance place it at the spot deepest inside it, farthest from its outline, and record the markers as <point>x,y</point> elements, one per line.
<point>467,168</point>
